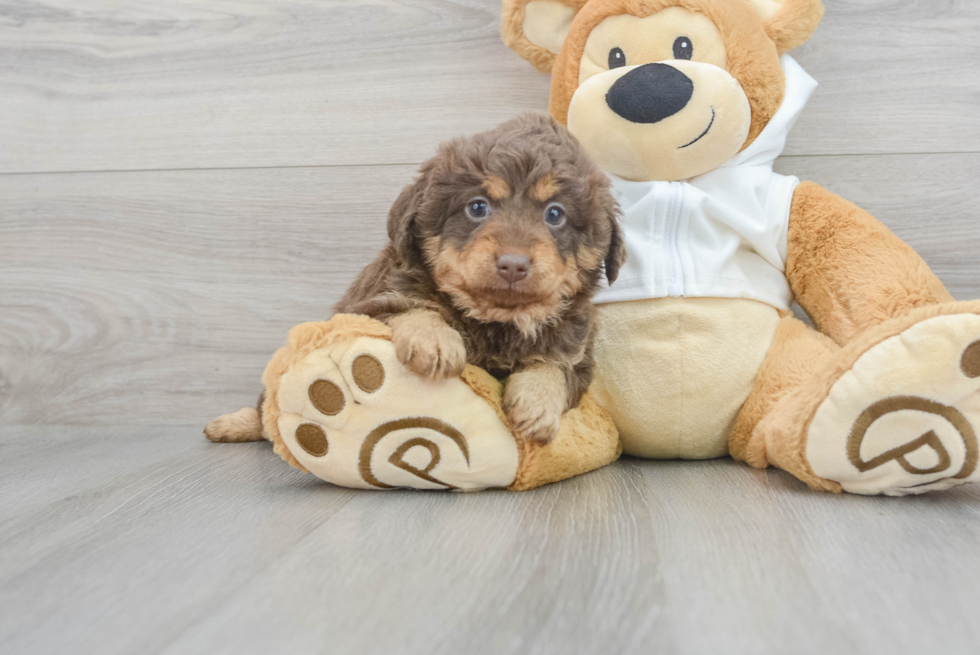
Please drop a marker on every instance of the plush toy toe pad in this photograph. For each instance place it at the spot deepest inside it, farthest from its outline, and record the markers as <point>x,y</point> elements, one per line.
<point>353,415</point>
<point>904,418</point>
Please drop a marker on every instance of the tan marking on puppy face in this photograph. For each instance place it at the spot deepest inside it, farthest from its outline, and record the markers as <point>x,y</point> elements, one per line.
<point>545,188</point>
<point>589,259</point>
<point>469,276</point>
<point>496,188</point>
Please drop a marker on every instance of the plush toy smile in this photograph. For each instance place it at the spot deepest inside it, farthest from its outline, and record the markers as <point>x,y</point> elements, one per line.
<point>714,115</point>
<point>668,120</point>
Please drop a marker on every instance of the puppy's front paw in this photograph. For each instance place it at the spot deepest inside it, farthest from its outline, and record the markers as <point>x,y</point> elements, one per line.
<point>533,401</point>
<point>427,346</point>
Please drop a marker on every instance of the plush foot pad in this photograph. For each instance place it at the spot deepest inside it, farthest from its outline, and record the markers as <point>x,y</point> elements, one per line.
<point>904,418</point>
<point>353,415</point>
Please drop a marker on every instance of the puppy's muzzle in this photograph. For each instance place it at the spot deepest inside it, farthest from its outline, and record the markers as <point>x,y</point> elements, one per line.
<point>650,93</point>
<point>513,268</point>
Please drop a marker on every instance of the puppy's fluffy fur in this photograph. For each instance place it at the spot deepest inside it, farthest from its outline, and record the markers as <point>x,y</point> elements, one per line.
<point>439,285</point>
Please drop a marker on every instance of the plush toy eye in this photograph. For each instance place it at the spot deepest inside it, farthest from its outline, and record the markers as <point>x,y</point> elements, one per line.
<point>683,48</point>
<point>554,215</point>
<point>477,209</point>
<point>617,58</point>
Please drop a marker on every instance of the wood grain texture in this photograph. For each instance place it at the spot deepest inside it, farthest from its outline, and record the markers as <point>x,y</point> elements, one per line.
<point>220,548</point>
<point>249,151</point>
<point>158,297</point>
<point>113,85</point>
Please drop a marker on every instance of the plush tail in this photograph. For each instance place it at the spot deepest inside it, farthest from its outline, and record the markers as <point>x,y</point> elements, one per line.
<point>243,425</point>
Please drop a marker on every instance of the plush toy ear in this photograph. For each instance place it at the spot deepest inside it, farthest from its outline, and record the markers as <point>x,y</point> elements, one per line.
<point>536,29</point>
<point>789,23</point>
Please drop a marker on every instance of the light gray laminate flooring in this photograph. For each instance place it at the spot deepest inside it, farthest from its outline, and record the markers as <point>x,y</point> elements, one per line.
<point>182,181</point>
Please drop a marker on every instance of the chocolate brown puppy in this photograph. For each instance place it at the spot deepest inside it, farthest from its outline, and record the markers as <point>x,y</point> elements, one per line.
<point>496,250</point>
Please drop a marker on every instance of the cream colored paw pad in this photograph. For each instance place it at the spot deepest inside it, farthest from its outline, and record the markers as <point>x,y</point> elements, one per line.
<point>903,419</point>
<point>354,416</point>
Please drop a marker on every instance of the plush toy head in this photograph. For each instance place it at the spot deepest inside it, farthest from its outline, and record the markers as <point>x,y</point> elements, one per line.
<point>661,89</point>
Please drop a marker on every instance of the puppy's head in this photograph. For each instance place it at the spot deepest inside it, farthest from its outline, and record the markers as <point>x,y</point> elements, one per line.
<point>512,224</point>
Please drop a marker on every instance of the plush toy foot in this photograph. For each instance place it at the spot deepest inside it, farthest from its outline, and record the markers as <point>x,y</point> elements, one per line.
<point>341,405</point>
<point>900,411</point>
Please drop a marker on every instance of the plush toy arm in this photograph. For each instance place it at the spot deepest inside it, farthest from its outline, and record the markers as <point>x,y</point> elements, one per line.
<point>847,270</point>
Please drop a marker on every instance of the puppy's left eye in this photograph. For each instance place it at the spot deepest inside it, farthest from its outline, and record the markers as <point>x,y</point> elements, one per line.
<point>478,209</point>
<point>554,215</point>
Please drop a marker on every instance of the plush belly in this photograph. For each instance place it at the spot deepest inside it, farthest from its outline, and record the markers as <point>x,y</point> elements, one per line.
<point>674,372</point>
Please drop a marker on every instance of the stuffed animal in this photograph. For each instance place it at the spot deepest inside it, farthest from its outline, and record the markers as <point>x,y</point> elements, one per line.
<point>686,104</point>
<point>338,403</point>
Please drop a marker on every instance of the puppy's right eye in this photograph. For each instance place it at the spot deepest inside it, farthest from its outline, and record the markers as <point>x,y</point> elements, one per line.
<point>617,58</point>
<point>477,209</point>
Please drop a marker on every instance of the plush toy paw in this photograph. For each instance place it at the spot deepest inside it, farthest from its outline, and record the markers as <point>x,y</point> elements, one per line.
<point>340,404</point>
<point>353,415</point>
<point>903,419</point>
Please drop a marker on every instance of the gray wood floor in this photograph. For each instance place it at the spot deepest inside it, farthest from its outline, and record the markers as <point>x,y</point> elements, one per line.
<point>182,181</point>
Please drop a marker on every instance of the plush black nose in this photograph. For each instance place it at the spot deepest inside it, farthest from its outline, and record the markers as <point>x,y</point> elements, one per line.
<point>650,93</point>
<point>513,268</point>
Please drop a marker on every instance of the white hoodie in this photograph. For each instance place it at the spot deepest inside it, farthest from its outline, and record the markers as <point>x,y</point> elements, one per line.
<point>721,234</point>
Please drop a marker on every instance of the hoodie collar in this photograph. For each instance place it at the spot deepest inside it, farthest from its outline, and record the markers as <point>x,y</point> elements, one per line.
<point>772,140</point>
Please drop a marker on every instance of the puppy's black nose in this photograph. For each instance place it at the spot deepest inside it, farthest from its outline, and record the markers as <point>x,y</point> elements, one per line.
<point>513,268</point>
<point>650,93</point>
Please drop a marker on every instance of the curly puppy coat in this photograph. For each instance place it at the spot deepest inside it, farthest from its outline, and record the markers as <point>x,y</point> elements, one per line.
<point>496,251</point>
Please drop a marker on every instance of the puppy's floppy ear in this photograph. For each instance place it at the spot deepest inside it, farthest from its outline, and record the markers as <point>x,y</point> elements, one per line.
<point>402,220</point>
<point>606,229</point>
<point>789,23</point>
<point>616,255</point>
<point>536,29</point>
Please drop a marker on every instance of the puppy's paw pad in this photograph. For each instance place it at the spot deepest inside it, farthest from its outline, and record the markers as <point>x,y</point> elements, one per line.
<point>534,418</point>
<point>429,348</point>
<point>537,427</point>
<point>437,355</point>
<point>534,400</point>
